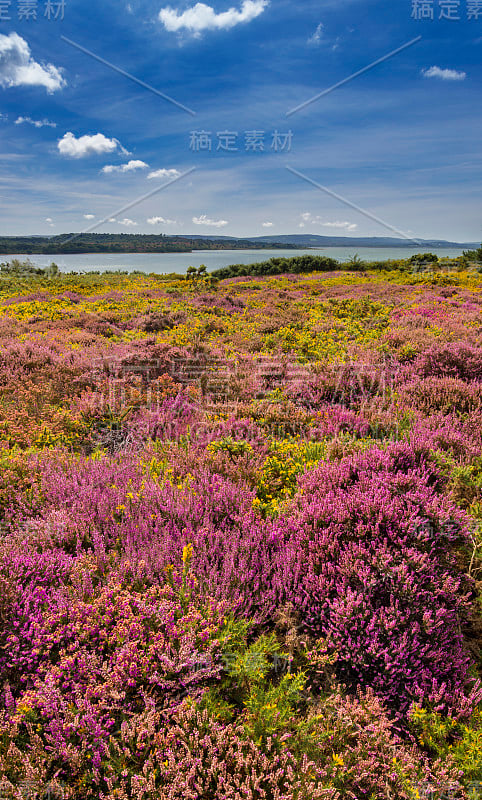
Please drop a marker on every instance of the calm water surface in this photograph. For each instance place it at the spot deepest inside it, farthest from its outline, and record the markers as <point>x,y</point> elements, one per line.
<point>165,263</point>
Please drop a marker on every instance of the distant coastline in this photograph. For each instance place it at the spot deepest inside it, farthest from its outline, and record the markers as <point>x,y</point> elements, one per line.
<point>92,243</point>
<point>73,244</point>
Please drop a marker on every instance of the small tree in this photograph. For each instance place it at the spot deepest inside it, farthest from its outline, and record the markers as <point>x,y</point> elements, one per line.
<point>199,278</point>
<point>52,271</point>
<point>423,258</point>
<point>356,263</point>
<point>473,255</point>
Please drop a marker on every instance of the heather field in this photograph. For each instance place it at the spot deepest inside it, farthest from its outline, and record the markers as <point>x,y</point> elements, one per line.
<point>241,536</point>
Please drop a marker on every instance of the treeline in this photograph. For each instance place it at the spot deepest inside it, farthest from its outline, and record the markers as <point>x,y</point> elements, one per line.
<point>311,263</point>
<point>279,266</point>
<point>91,243</point>
<point>71,243</point>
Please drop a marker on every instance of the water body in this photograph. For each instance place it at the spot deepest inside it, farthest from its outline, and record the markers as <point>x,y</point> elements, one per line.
<point>166,263</point>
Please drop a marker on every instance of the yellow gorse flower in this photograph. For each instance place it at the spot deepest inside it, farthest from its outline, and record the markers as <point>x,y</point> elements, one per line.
<point>187,553</point>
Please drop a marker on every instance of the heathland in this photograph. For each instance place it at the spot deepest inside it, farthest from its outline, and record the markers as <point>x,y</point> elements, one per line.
<point>241,533</point>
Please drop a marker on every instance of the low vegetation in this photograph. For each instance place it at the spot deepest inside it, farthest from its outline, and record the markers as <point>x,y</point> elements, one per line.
<point>241,532</point>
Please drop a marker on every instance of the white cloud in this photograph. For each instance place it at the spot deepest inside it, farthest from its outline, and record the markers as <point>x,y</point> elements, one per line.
<point>3,117</point>
<point>202,17</point>
<point>70,146</point>
<point>348,226</point>
<point>316,37</point>
<point>89,216</point>
<point>268,224</point>
<point>112,219</point>
<point>131,166</point>
<point>161,221</point>
<point>126,221</point>
<point>164,173</point>
<point>37,123</point>
<point>18,68</point>
<point>308,217</point>
<point>444,74</point>
<point>212,223</point>
<point>50,222</point>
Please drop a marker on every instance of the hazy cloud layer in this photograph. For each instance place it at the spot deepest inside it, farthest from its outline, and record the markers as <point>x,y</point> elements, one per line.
<point>37,123</point>
<point>317,35</point>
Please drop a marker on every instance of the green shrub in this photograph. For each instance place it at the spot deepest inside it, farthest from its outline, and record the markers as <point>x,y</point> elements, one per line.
<point>257,683</point>
<point>445,737</point>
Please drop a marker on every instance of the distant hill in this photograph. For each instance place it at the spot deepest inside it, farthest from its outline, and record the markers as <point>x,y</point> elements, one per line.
<point>301,240</point>
<point>311,240</point>
<point>71,243</point>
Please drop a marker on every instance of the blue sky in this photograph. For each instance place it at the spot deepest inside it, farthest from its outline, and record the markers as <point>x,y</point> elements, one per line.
<point>401,141</point>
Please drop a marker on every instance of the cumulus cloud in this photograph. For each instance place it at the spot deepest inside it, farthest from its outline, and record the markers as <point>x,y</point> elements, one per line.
<point>18,68</point>
<point>307,217</point>
<point>444,74</point>
<point>50,221</point>
<point>164,173</point>
<point>268,224</point>
<point>202,17</point>
<point>131,166</point>
<point>316,37</point>
<point>161,221</point>
<point>70,146</point>
<point>126,221</point>
<point>89,216</point>
<point>212,223</point>
<point>37,123</point>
